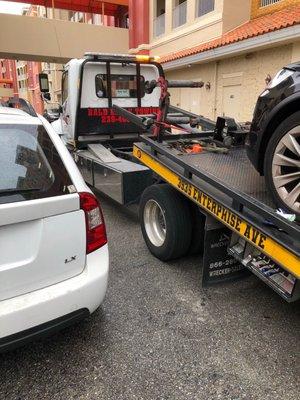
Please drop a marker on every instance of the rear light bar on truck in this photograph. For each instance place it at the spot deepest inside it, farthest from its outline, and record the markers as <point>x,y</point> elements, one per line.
<point>94,222</point>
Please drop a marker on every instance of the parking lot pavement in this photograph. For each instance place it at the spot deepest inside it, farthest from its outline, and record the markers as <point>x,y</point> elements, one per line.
<point>160,336</point>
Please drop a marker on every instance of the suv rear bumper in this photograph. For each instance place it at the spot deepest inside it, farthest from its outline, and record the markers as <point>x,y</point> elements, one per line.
<point>24,317</point>
<point>41,331</point>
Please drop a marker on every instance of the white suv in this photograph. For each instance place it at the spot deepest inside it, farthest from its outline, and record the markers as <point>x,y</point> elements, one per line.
<point>53,247</point>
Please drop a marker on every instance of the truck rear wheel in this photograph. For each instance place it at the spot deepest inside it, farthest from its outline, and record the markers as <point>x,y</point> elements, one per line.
<point>166,222</point>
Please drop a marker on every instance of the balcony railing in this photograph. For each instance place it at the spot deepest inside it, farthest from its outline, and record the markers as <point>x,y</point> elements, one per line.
<point>264,3</point>
<point>204,7</point>
<point>159,25</point>
<point>179,15</point>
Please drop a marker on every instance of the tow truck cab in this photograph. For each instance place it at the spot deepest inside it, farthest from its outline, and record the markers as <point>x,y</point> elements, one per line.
<point>91,86</point>
<point>98,138</point>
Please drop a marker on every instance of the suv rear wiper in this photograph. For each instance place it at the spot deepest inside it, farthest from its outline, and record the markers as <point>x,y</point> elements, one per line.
<point>7,192</point>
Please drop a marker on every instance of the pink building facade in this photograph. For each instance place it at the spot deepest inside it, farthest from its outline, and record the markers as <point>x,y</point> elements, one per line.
<point>8,75</point>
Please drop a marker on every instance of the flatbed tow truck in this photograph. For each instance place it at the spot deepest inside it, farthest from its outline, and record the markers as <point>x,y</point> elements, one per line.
<point>196,189</point>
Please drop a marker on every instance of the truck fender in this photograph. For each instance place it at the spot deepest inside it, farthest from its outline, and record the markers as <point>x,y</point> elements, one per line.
<point>281,107</point>
<point>57,126</point>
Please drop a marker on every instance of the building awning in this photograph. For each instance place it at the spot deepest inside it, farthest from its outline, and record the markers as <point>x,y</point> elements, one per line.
<point>88,6</point>
<point>288,17</point>
<point>6,81</point>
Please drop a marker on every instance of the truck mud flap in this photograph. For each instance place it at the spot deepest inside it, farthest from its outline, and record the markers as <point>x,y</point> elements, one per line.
<point>218,265</point>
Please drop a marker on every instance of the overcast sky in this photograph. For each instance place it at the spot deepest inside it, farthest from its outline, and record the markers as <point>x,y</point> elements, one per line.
<point>9,7</point>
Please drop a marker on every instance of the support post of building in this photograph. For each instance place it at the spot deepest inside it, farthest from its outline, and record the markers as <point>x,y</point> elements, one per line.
<point>53,9</point>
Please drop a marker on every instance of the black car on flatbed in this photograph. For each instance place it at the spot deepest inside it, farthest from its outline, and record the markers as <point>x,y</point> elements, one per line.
<point>273,144</point>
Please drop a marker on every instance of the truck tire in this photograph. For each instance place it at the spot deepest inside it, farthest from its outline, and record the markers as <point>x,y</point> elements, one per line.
<point>166,222</point>
<point>198,230</point>
<point>282,165</point>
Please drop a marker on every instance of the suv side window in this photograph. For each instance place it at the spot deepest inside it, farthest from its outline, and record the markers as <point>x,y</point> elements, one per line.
<point>30,166</point>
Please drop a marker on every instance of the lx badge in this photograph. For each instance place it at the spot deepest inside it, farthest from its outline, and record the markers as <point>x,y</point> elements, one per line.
<point>73,258</point>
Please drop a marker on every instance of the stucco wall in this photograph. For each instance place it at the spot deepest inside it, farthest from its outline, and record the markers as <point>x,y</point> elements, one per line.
<point>296,52</point>
<point>199,101</point>
<point>193,32</point>
<point>192,38</point>
<point>6,92</point>
<point>242,77</point>
<point>57,41</point>
<point>235,14</point>
<point>257,11</point>
<point>227,15</point>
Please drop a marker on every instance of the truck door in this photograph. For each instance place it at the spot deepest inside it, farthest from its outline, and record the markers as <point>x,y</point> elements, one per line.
<point>65,116</point>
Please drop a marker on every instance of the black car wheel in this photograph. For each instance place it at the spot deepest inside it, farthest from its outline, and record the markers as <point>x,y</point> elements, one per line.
<point>282,164</point>
<point>165,221</point>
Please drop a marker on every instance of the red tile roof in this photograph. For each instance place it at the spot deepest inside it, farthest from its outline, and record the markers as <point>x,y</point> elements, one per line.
<point>268,23</point>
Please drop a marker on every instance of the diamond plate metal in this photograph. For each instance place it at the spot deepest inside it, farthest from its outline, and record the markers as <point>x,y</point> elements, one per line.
<point>233,169</point>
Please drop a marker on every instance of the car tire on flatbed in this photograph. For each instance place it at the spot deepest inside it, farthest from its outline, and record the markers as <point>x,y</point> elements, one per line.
<point>166,222</point>
<point>282,165</point>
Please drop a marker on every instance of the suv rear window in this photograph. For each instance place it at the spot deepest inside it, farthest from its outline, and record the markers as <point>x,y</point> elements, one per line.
<point>30,166</point>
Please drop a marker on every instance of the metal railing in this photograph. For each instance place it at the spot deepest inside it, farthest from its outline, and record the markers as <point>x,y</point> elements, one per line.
<point>159,25</point>
<point>265,3</point>
<point>204,7</point>
<point>179,15</point>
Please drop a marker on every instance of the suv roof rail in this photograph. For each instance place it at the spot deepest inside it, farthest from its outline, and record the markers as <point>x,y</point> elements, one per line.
<point>21,104</point>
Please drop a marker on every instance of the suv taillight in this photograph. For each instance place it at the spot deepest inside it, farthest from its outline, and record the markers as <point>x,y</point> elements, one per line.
<point>95,226</point>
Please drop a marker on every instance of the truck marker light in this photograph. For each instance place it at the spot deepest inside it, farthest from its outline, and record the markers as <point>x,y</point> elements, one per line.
<point>146,58</point>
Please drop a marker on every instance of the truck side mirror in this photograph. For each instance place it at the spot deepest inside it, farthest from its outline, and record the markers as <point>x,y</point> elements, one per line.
<point>44,83</point>
<point>47,96</point>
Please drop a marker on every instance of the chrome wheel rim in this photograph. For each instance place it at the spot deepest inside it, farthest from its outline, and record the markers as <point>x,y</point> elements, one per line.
<point>155,223</point>
<point>286,169</point>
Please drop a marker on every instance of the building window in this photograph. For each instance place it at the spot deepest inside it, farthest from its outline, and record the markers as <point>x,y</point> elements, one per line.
<point>46,66</point>
<point>160,18</point>
<point>205,7</point>
<point>179,13</point>
<point>264,3</point>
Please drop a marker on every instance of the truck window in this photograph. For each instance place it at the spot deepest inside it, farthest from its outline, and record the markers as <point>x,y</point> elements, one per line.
<point>30,166</point>
<point>122,86</point>
<point>65,87</point>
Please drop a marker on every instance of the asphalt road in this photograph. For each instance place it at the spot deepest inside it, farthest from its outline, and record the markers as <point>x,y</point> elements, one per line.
<point>160,336</point>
